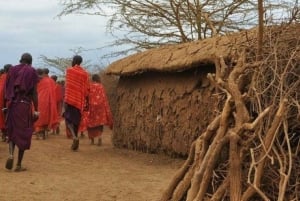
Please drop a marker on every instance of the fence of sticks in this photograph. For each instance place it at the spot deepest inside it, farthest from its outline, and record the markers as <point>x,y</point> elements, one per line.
<point>250,151</point>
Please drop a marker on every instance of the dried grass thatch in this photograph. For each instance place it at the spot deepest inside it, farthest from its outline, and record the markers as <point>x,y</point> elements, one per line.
<point>180,57</point>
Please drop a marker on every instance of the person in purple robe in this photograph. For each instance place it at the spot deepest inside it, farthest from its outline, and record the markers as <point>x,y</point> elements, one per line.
<point>21,104</point>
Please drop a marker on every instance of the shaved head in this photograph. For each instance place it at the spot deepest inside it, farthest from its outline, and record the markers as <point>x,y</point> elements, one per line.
<point>76,60</point>
<point>26,58</point>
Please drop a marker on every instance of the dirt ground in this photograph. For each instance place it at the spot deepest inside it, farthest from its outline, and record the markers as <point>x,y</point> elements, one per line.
<point>105,173</point>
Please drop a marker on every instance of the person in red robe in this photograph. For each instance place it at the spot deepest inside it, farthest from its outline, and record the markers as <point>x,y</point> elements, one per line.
<point>76,97</point>
<point>2,86</point>
<point>99,110</point>
<point>47,105</point>
<point>59,103</point>
<point>22,108</point>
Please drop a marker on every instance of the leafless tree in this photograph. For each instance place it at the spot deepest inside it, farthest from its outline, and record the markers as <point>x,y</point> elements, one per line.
<point>145,24</point>
<point>260,27</point>
<point>56,65</point>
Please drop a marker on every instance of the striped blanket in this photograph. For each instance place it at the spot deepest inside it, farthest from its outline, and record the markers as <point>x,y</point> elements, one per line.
<point>77,86</point>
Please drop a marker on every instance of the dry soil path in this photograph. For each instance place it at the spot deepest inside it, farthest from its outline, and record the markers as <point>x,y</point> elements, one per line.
<point>105,173</point>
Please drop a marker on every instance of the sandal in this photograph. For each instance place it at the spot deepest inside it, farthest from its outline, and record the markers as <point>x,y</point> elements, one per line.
<point>75,144</point>
<point>19,168</point>
<point>9,163</point>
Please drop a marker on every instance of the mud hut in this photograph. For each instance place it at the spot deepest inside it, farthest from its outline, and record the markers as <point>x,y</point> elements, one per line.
<point>164,99</point>
<point>250,149</point>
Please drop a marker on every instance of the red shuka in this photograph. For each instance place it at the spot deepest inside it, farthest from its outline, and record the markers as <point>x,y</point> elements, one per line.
<point>99,109</point>
<point>75,93</point>
<point>59,100</point>
<point>83,122</point>
<point>47,104</point>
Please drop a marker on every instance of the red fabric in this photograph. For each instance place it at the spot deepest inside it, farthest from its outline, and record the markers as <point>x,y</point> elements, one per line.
<point>99,110</point>
<point>2,85</point>
<point>77,84</point>
<point>58,92</point>
<point>94,132</point>
<point>83,122</point>
<point>59,100</point>
<point>47,107</point>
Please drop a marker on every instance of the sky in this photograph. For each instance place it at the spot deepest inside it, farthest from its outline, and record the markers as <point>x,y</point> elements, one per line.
<point>33,26</point>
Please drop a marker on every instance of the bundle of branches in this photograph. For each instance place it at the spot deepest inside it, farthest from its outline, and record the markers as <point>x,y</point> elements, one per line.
<point>250,151</point>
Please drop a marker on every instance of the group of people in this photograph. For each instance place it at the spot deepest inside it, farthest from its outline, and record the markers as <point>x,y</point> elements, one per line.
<point>50,96</point>
<point>34,102</point>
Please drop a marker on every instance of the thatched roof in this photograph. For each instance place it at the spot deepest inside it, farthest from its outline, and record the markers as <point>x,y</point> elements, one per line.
<point>181,56</point>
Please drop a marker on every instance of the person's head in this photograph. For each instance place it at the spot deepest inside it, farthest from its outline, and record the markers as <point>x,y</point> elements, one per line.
<point>77,59</point>
<point>46,71</point>
<point>40,72</point>
<point>26,58</point>
<point>54,77</point>
<point>96,78</point>
<point>6,67</point>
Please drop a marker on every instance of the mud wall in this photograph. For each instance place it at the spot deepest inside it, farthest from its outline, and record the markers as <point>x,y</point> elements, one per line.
<point>163,112</point>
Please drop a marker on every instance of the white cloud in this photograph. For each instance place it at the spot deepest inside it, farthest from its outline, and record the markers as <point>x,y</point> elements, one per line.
<point>32,26</point>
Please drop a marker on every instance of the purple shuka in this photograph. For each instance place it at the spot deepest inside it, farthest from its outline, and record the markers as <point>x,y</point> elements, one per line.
<point>21,80</point>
